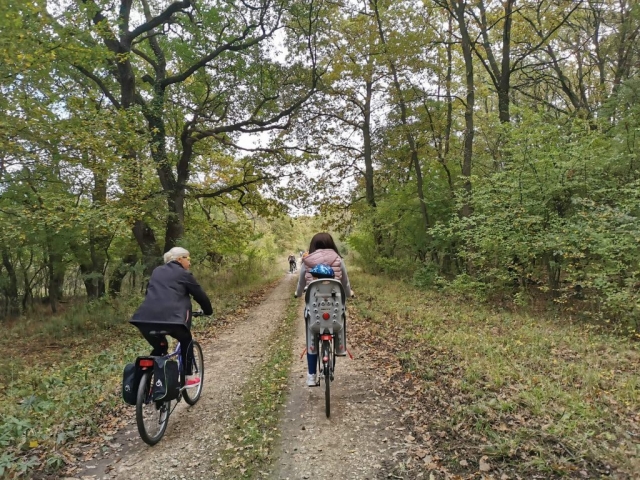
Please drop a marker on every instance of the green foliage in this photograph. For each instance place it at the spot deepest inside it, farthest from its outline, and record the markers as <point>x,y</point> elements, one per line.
<point>559,216</point>
<point>561,213</point>
<point>427,276</point>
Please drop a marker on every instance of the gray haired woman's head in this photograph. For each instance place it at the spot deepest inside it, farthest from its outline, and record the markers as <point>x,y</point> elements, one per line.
<point>176,253</point>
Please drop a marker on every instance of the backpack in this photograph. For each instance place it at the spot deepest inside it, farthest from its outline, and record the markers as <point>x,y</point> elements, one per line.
<point>166,378</point>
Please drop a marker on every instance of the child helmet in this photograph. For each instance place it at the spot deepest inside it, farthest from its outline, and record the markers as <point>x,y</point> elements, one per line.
<point>322,270</point>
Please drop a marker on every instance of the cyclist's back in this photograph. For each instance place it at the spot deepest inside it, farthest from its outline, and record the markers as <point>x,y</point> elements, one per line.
<point>323,250</point>
<point>167,305</point>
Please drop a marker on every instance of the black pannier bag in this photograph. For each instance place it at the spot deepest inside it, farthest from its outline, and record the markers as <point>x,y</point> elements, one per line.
<point>130,381</point>
<point>166,379</point>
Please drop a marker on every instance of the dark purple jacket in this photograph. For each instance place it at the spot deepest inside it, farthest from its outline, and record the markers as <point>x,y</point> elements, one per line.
<point>168,297</point>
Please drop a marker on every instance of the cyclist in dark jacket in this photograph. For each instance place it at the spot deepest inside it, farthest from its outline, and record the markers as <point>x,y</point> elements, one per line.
<point>167,306</point>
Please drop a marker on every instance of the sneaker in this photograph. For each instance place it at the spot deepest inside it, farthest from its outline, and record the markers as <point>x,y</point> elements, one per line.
<point>311,380</point>
<point>192,382</point>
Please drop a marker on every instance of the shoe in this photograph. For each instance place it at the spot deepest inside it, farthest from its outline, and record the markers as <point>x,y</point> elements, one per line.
<point>192,382</point>
<point>311,380</point>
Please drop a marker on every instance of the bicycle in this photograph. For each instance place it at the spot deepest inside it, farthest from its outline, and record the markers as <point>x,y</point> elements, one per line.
<point>158,412</point>
<point>292,267</point>
<point>325,315</point>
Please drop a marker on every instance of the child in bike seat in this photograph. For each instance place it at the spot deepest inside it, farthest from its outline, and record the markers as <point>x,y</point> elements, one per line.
<point>322,249</point>
<point>167,307</point>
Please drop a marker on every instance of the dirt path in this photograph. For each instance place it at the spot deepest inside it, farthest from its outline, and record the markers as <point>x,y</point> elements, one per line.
<point>363,439</point>
<point>360,439</point>
<point>193,439</point>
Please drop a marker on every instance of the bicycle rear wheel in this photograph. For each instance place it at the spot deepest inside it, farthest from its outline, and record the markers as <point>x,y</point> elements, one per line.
<point>152,417</point>
<point>192,395</point>
<point>326,352</point>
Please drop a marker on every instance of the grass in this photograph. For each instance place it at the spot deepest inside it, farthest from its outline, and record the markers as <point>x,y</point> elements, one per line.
<point>536,394</point>
<point>254,429</point>
<point>60,375</point>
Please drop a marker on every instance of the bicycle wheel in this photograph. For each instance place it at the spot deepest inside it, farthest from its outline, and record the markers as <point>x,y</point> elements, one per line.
<point>152,417</point>
<point>326,352</point>
<point>192,395</point>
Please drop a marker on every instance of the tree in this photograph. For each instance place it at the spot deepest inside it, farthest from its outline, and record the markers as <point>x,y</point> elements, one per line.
<point>182,70</point>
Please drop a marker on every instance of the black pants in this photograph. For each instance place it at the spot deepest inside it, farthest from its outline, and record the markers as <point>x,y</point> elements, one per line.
<point>160,346</point>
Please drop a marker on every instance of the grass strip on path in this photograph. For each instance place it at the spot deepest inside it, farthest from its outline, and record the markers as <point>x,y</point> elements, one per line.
<point>250,440</point>
<point>503,392</point>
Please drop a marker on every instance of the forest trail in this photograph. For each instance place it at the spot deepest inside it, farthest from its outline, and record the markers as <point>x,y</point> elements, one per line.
<point>360,441</point>
<point>194,436</point>
<point>360,438</point>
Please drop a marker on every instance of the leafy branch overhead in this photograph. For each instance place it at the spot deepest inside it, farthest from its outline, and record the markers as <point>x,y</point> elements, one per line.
<point>182,74</point>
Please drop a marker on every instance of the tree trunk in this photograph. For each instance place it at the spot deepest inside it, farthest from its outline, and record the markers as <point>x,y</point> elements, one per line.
<point>447,128</point>
<point>175,219</point>
<point>117,276</point>
<point>366,134</point>
<point>459,8</point>
<point>151,255</point>
<point>93,281</point>
<point>11,290</point>
<point>368,162</point>
<point>505,77</point>
<point>55,280</point>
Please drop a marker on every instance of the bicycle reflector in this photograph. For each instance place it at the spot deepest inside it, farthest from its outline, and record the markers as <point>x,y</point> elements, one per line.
<point>325,315</point>
<point>146,363</point>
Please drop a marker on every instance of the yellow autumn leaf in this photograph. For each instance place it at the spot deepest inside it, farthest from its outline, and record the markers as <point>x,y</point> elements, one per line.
<point>33,444</point>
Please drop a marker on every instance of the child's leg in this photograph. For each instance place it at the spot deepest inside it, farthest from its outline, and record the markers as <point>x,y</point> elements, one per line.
<point>312,362</point>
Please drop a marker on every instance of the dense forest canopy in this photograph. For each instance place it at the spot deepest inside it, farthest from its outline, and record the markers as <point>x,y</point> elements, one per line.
<point>488,146</point>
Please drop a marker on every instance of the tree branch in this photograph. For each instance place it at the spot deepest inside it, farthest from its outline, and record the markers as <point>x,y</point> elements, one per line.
<point>231,188</point>
<point>158,20</point>
<point>230,46</point>
<point>98,81</point>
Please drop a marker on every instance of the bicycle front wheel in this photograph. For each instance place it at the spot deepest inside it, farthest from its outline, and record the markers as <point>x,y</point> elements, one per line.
<point>192,394</point>
<point>152,417</point>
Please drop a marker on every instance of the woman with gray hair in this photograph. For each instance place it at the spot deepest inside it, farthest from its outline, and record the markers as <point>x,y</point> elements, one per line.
<point>167,306</point>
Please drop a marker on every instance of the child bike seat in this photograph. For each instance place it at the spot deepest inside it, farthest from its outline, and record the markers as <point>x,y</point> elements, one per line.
<point>325,305</point>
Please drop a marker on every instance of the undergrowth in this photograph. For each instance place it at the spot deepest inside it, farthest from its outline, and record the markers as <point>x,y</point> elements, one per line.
<point>537,395</point>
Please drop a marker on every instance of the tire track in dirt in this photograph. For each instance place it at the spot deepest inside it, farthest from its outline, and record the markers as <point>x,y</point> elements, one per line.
<point>193,440</point>
<point>358,441</point>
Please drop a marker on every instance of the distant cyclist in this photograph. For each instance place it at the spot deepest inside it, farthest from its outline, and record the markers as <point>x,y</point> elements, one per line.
<point>292,263</point>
